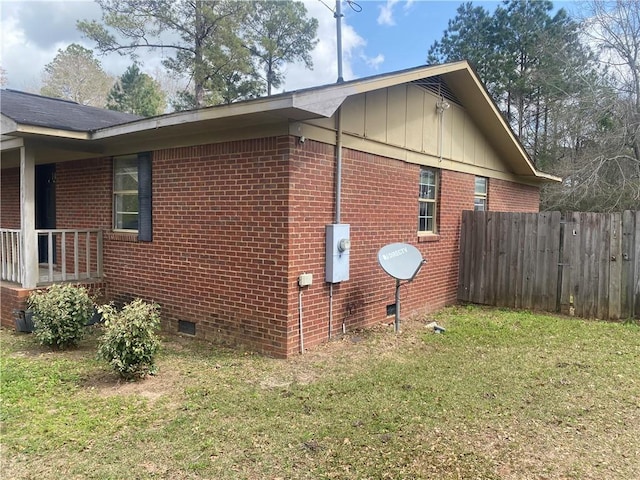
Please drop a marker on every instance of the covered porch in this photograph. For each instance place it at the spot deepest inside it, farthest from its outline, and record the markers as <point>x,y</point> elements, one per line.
<point>33,252</point>
<point>41,241</point>
<point>32,256</point>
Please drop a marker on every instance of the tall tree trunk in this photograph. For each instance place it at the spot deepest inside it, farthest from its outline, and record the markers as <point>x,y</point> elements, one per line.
<point>269,75</point>
<point>536,130</point>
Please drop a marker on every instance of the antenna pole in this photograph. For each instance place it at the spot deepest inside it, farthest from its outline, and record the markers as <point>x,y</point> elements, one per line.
<point>338,16</point>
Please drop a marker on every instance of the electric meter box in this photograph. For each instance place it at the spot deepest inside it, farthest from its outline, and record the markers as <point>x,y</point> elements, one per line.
<point>338,249</point>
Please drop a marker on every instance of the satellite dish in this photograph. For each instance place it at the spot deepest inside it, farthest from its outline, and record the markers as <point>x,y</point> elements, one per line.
<point>403,262</point>
<point>400,260</point>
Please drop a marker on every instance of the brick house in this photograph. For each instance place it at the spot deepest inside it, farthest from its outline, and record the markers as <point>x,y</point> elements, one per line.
<point>215,213</point>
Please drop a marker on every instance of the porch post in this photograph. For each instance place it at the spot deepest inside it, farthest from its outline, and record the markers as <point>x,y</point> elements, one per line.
<point>28,218</point>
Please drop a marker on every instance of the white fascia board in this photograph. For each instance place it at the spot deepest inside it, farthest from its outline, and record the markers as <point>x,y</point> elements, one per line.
<point>409,76</point>
<point>53,132</point>
<point>17,129</point>
<point>192,116</point>
<point>548,176</point>
<point>11,143</point>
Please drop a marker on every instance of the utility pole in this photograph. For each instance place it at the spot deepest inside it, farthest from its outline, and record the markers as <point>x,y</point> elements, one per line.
<point>338,16</point>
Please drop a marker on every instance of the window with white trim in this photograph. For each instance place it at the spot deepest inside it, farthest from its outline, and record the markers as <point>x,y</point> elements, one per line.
<point>480,195</point>
<point>125,193</point>
<point>427,200</point>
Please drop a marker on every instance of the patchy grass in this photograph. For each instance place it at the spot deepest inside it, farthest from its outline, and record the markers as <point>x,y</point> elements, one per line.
<point>500,395</point>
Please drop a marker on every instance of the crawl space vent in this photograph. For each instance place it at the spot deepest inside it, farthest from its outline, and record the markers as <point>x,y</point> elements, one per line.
<point>186,327</point>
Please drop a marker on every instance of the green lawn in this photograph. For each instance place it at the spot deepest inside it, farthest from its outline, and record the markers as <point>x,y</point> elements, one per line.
<point>500,395</point>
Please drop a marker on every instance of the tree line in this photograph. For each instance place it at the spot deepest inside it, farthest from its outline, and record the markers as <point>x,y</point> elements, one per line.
<point>225,50</point>
<point>569,88</point>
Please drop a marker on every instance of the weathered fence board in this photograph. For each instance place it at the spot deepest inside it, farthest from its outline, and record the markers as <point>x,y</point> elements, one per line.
<point>615,265</point>
<point>586,264</point>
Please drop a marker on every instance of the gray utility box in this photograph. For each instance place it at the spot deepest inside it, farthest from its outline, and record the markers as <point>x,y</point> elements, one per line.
<point>338,248</point>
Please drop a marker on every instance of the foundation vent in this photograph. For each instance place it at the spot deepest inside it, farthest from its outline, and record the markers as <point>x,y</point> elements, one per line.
<point>186,327</point>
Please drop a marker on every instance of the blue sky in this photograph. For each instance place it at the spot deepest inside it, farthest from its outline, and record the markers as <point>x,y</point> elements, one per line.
<point>403,32</point>
<point>386,35</point>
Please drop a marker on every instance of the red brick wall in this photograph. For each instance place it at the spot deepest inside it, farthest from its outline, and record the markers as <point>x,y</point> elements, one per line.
<point>235,224</point>
<point>10,198</point>
<point>218,256</point>
<point>379,201</point>
<point>511,197</point>
<point>220,238</point>
<point>83,200</point>
<point>83,194</point>
<point>11,298</point>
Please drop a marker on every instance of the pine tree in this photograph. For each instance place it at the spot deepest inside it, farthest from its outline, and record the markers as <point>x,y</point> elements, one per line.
<point>137,93</point>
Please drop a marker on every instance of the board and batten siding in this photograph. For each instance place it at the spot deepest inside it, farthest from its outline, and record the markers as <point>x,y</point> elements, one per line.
<point>402,122</point>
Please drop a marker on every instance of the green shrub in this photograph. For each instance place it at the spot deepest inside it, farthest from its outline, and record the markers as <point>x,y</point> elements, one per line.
<point>60,314</point>
<point>130,342</point>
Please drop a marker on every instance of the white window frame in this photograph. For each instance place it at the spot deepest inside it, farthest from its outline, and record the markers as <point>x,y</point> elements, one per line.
<point>118,215</point>
<point>480,198</point>
<point>428,194</point>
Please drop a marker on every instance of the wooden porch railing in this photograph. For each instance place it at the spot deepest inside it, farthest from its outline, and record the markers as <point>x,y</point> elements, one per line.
<point>72,255</point>
<point>11,255</point>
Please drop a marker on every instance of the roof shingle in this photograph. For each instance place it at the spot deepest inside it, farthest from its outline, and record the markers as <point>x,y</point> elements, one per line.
<point>36,110</point>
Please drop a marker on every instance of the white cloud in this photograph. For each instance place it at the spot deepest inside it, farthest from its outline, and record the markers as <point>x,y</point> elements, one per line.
<point>19,63</point>
<point>324,55</point>
<point>373,62</point>
<point>386,13</point>
<point>408,4</point>
<point>24,51</point>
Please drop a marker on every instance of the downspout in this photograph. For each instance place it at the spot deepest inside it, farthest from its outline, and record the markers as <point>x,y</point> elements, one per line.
<point>441,135</point>
<point>338,198</point>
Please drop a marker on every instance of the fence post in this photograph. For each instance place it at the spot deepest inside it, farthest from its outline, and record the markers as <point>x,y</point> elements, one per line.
<point>636,257</point>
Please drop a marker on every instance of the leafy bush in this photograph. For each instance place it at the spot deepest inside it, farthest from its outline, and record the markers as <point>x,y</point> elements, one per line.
<point>60,314</point>
<point>130,341</point>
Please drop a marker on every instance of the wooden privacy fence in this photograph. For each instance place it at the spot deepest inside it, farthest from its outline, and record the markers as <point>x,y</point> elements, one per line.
<point>583,264</point>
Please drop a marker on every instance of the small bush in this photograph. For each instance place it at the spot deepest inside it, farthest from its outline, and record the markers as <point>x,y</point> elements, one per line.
<point>130,341</point>
<point>60,314</point>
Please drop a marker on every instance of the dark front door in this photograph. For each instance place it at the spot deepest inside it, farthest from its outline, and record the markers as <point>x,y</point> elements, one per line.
<point>45,206</point>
